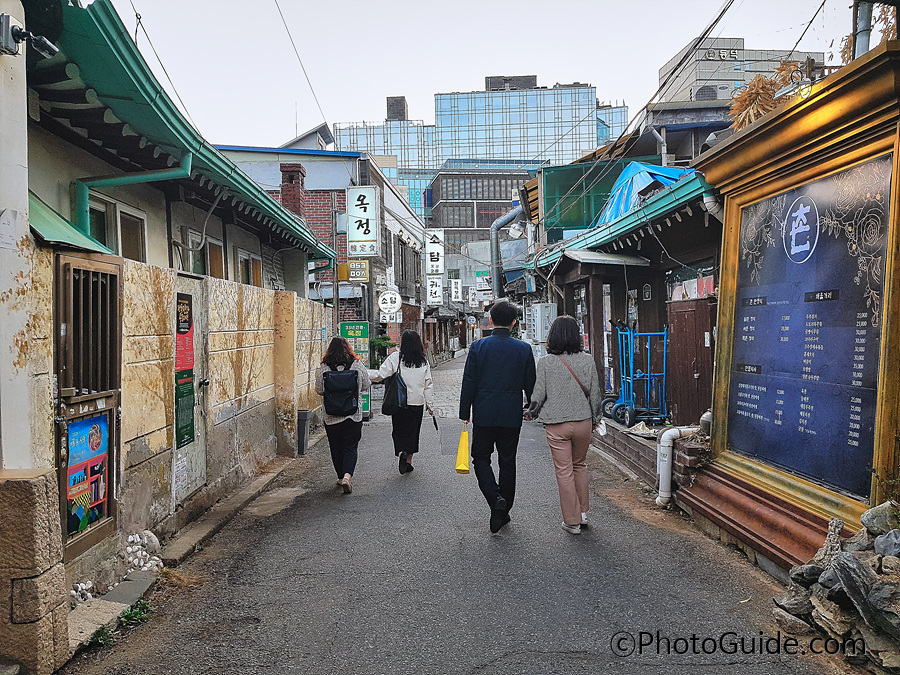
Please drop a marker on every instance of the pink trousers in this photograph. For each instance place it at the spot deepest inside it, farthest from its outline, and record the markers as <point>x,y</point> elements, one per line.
<point>569,442</point>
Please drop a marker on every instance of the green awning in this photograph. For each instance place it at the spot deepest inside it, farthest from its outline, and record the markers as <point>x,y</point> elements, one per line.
<point>55,230</point>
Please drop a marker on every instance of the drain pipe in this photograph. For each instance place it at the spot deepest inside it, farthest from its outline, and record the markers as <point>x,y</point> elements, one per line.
<point>714,207</point>
<point>83,186</point>
<point>664,149</point>
<point>862,29</point>
<point>664,460</point>
<point>496,267</point>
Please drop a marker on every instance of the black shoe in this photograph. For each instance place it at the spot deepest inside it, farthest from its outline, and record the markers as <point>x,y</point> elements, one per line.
<point>499,517</point>
<point>409,467</point>
<point>403,463</point>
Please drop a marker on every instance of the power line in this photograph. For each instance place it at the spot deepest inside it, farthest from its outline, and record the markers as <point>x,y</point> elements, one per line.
<point>805,29</point>
<point>140,24</point>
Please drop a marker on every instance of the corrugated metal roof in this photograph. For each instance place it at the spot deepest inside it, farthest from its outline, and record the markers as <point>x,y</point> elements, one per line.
<point>52,228</point>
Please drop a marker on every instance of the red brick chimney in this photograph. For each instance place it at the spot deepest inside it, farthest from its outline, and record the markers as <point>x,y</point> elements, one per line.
<point>293,191</point>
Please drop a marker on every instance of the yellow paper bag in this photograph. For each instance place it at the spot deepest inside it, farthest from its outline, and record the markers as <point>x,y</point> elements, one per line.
<point>462,455</point>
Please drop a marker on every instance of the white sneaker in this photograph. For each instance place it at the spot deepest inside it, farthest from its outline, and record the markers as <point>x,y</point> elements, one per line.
<point>584,522</point>
<point>571,529</point>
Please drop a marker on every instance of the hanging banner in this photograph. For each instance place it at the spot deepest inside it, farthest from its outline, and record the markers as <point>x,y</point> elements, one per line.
<point>456,290</point>
<point>434,252</point>
<point>184,370</point>
<point>435,290</point>
<point>807,326</point>
<point>363,222</point>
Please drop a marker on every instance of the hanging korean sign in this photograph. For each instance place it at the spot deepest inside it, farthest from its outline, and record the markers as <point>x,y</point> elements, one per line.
<point>184,370</point>
<point>357,335</point>
<point>807,318</point>
<point>435,290</point>
<point>456,290</point>
<point>434,252</point>
<point>363,222</point>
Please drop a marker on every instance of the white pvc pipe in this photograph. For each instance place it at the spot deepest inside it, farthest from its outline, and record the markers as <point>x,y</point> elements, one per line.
<point>714,207</point>
<point>664,460</point>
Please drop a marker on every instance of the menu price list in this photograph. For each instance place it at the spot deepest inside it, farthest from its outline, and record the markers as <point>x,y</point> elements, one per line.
<point>803,389</point>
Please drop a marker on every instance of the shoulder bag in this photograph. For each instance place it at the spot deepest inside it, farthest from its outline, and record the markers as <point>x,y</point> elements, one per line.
<point>394,393</point>
<point>586,391</point>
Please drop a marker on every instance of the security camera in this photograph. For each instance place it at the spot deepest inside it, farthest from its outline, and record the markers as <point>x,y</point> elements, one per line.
<point>11,35</point>
<point>44,47</point>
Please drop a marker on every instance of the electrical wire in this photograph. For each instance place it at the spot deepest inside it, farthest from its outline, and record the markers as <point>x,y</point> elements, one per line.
<point>805,29</point>
<point>140,25</point>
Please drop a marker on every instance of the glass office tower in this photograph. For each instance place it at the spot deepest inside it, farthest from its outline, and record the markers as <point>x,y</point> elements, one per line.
<point>512,119</point>
<point>555,125</point>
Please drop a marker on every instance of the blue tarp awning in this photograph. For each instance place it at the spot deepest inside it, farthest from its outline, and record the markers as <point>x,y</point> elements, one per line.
<point>625,194</point>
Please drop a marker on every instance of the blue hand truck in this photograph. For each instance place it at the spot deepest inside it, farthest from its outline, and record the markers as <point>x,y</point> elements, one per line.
<point>642,391</point>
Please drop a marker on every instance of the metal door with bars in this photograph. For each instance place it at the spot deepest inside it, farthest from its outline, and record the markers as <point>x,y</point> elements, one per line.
<point>86,397</point>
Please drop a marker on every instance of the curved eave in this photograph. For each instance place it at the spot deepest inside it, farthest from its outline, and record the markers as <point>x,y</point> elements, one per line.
<point>97,41</point>
<point>658,206</point>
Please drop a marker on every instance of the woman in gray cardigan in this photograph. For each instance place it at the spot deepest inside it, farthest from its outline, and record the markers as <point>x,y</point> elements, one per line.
<point>567,398</point>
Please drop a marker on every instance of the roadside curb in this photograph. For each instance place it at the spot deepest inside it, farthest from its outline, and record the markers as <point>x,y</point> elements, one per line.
<point>89,617</point>
<point>192,537</point>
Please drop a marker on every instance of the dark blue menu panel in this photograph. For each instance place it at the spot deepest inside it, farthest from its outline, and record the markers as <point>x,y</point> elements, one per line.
<point>808,327</point>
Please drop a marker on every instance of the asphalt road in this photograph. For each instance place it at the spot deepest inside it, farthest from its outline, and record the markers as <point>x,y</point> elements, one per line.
<point>403,576</point>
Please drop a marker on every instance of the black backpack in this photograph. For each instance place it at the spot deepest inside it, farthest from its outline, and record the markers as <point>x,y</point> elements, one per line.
<point>341,396</point>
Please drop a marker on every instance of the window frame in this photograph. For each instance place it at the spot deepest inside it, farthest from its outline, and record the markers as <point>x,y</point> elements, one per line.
<point>114,209</point>
<point>241,255</point>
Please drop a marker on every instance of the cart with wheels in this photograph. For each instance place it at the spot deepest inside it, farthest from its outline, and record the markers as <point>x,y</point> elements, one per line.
<point>640,377</point>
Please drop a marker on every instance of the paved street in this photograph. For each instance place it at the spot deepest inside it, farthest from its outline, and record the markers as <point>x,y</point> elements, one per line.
<point>403,576</point>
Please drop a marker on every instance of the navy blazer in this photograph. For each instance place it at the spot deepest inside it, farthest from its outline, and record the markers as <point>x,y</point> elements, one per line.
<point>498,369</point>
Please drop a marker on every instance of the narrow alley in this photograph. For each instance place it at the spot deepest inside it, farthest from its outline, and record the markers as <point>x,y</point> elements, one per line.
<point>402,576</point>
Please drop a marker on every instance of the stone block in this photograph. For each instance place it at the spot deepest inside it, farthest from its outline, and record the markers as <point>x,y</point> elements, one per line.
<point>882,518</point>
<point>148,398</point>
<point>30,530</point>
<point>34,597</point>
<point>145,495</point>
<point>41,646</point>
<point>148,300</point>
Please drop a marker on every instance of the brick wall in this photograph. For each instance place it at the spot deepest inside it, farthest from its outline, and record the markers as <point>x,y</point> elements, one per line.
<point>293,191</point>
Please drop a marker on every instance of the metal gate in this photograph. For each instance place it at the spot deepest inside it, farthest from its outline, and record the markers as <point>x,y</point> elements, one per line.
<point>86,397</point>
<point>191,387</point>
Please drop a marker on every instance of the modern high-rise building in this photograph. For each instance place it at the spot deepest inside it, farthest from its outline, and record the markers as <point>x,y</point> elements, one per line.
<point>512,119</point>
<point>719,66</point>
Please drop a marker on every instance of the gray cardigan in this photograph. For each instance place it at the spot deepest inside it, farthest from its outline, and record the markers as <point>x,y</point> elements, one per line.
<point>558,397</point>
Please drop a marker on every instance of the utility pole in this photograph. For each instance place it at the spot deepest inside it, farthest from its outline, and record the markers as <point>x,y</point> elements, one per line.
<point>336,321</point>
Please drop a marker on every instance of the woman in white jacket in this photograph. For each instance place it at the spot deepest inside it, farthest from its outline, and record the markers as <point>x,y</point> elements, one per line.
<point>415,371</point>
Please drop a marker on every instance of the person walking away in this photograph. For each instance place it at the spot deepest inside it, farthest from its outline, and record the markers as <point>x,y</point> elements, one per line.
<point>344,431</point>
<point>499,368</point>
<point>569,401</point>
<point>406,423</point>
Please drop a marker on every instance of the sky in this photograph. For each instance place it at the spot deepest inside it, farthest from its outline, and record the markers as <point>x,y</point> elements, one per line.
<point>232,64</point>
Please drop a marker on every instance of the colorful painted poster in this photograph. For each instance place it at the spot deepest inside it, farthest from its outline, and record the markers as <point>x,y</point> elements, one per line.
<point>184,370</point>
<point>88,473</point>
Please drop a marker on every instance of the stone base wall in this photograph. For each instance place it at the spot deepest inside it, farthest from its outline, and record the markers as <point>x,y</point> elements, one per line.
<point>34,629</point>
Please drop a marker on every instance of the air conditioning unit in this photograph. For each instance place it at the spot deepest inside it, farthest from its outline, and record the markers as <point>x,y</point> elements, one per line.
<point>380,280</point>
<point>540,316</point>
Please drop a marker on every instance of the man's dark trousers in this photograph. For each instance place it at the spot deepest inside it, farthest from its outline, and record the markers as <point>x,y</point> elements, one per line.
<point>507,441</point>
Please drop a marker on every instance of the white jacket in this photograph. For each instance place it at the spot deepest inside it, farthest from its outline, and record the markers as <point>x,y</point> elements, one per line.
<point>419,385</point>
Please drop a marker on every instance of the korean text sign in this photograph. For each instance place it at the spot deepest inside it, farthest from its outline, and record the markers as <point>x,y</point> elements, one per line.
<point>363,222</point>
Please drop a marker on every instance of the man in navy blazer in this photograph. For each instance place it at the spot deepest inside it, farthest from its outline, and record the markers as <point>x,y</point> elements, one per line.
<point>498,369</point>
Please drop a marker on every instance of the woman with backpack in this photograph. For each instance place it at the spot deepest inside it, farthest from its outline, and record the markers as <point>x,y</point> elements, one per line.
<point>567,398</point>
<point>341,394</point>
<point>416,373</point>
